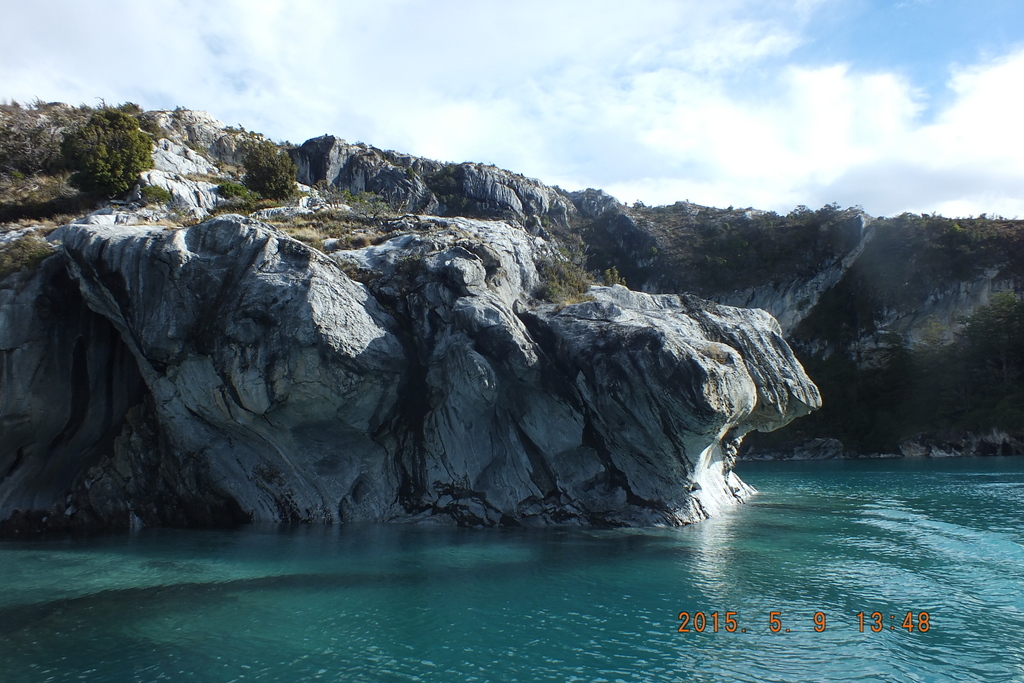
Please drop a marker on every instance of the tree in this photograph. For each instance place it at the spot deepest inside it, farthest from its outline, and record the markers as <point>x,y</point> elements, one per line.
<point>612,277</point>
<point>269,171</point>
<point>107,153</point>
<point>995,337</point>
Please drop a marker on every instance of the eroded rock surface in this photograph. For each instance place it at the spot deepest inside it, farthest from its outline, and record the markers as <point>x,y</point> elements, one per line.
<point>231,373</point>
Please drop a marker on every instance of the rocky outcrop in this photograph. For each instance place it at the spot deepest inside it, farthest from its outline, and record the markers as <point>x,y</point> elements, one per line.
<point>360,168</point>
<point>175,169</point>
<point>593,203</point>
<point>192,198</point>
<point>649,247</point>
<point>425,186</point>
<point>615,237</point>
<point>170,157</point>
<point>225,372</point>
<point>198,130</point>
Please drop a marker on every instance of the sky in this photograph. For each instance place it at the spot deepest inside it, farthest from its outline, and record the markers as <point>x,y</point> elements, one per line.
<point>899,105</point>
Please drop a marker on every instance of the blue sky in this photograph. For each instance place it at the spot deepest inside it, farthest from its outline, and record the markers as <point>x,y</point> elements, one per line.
<point>919,39</point>
<point>911,105</point>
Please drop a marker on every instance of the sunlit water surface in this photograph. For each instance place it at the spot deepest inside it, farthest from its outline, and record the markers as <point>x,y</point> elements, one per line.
<point>412,603</point>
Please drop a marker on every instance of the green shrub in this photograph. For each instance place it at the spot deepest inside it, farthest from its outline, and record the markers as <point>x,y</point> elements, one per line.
<point>25,252</point>
<point>130,108</point>
<point>368,205</point>
<point>151,194</point>
<point>107,153</point>
<point>612,277</point>
<point>269,171</point>
<point>235,191</point>
<point>239,199</point>
<point>150,125</point>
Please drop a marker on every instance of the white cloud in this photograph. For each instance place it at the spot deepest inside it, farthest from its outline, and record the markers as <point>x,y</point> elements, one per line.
<point>685,99</point>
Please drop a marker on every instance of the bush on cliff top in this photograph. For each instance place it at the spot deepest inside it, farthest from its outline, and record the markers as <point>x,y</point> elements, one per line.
<point>30,136</point>
<point>107,153</point>
<point>269,171</point>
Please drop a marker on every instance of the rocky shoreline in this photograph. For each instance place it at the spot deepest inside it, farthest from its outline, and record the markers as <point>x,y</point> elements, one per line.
<point>992,443</point>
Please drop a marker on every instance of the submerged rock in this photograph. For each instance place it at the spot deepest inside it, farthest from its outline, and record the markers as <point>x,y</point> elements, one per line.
<point>226,372</point>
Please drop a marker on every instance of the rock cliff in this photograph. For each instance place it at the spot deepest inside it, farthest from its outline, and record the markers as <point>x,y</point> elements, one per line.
<point>426,186</point>
<point>225,372</point>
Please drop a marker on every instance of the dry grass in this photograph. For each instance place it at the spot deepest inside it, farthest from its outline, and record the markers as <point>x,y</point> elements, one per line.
<point>43,226</point>
<point>205,178</point>
<point>40,197</point>
<point>352,231</point>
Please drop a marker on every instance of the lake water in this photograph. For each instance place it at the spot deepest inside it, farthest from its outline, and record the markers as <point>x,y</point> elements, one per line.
<point>412,603</point>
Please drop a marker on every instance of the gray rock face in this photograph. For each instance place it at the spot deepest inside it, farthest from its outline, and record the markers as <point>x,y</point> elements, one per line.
<point>593,203</point>
<point>425,186</point>
<point>66,381</point>
<point>178,159</point>
<point>194,198</point>
<point>200,130</point>
<point>362,168</point>
<point>225,372</point>
<point>174,169</point>
<point>261,357</point>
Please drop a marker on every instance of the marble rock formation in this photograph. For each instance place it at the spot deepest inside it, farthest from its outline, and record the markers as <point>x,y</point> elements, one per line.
<point>225,372</point>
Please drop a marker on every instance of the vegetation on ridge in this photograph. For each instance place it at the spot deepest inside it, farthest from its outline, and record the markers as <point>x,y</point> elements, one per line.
<point>269,171</point>
<point>107,153</point>
<point>685,247</point>
<point>35,181</point>
<point>910,258</point>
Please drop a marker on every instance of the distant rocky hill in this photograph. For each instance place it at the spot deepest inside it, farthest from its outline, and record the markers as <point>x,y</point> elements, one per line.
<point>893,317</point>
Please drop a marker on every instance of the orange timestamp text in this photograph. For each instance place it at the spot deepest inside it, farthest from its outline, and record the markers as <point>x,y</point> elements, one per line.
<point>729,622</point>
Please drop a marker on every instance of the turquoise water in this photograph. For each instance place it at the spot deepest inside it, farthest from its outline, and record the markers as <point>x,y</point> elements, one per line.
<point>407,603</point>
